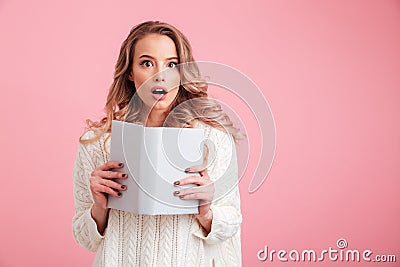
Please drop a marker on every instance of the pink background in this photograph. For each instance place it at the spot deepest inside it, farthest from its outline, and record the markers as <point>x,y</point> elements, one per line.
<point>329,70</point>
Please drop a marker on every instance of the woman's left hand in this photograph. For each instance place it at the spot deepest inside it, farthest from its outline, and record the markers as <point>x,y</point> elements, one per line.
<point>204,191</point>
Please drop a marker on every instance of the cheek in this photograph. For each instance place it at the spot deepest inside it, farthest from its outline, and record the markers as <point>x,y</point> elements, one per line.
<point>176,77</point>
<point>139,78</point>
<point>172,77</point>
<point>174,83</point>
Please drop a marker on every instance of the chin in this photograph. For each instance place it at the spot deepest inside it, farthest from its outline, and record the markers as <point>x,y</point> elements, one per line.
<point>162,105</point>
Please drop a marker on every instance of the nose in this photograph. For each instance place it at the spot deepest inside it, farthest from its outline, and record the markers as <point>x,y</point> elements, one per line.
<point>159,76</point>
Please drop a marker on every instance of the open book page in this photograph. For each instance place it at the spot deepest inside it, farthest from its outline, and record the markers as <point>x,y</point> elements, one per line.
<point>126,147</point>
<point>179,148</point>
<point>154,158</point>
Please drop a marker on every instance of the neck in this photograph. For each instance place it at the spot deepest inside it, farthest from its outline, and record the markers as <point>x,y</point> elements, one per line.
<point>156,118</point>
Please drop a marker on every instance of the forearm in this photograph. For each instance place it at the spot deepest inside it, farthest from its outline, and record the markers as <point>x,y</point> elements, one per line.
<point>206,220</point>
<point>84,229</point>
<point>100,216</point>
<point>88,225</point>
<point>225,223</point>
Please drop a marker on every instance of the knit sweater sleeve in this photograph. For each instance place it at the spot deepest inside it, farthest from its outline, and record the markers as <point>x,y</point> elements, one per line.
<point>84,228</point>
<point>223,170</point>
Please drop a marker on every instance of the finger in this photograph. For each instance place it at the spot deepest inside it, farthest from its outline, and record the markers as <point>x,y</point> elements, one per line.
<point>204,173</point>
<point>205,197</point>
<point>196,168</point>
<point>193,190</point>
<point>188,191</point>
<point>195,179</point>
<point>111,165</point>
<point>112,174</point>
<point>112,184</point>
<point>105,189</point>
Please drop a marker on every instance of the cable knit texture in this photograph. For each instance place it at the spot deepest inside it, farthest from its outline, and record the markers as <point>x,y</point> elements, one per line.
<point>162,240</point>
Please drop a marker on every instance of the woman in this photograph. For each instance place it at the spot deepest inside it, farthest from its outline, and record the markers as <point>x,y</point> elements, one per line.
<point>150,89</point>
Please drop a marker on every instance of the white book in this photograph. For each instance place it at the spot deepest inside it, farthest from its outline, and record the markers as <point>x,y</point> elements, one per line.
<point>154,157</point>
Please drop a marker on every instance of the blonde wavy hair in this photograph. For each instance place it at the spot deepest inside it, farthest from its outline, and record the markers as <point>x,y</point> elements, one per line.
<point>190,104</point>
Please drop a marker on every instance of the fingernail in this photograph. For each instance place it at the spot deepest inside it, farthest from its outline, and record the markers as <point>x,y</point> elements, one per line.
<point>176,192</point>
<point>119,194</point>
<point>120,165</point>
<point>123,186</point>
<point>181,197</point>
<point>187,169</point>
<point>124,175</point>
<point>177,183</point>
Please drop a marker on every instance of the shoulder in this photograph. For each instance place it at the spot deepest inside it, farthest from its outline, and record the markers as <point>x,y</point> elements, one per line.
<point>92,136</point>
<point>208,127</point>
<point>217,135</point>
<point>93,145</point>
<point>87,135</point>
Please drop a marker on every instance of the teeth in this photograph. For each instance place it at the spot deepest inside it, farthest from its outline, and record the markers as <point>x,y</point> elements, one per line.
<point>159,91</point>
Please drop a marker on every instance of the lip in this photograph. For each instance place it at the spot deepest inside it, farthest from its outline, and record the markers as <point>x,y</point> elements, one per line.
<point>159,97</point>
<point>158,87</point>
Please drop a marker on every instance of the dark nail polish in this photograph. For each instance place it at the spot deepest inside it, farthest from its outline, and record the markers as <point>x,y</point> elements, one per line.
<point>124,175</point>
<point>187,169</point>
<point>181,197</point>
<point>176,192</point>
<point>123,186</point>
<point>119,194</point>
<point>120,165</point>
<point>177,183</point>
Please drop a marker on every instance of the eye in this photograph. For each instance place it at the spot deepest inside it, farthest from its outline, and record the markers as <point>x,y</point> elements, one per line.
<point>172,64</point>
<point>147,63</point>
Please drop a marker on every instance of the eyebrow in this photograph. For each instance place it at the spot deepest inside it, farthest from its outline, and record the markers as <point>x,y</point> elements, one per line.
<point>154,58</point>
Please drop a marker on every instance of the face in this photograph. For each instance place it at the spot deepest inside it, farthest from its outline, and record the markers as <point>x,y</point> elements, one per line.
<point>154,71</point>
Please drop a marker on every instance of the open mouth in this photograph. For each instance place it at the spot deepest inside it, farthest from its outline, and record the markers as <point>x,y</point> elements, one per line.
<point>159,91</point>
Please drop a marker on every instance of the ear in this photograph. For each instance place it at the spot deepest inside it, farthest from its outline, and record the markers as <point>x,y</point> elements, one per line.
<point>130,76</point>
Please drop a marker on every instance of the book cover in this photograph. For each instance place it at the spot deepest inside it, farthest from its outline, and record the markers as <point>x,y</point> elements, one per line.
<point>154,157</point>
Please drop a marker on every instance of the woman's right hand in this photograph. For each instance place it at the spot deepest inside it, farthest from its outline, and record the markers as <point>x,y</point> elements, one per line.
<point>102,184</point>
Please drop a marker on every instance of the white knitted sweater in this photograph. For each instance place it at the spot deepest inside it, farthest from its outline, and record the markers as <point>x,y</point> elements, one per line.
<point>162,240</point>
